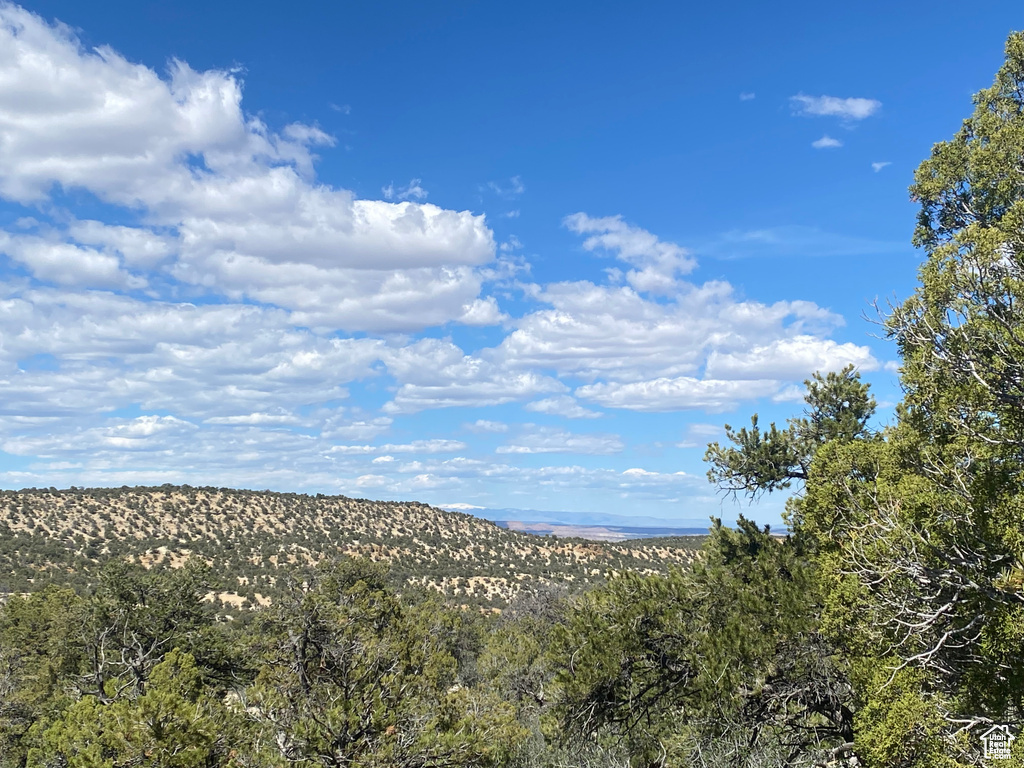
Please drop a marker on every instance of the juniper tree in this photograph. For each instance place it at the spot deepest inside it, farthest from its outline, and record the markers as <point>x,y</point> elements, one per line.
<point>721,665</point>
<point>921,534</point>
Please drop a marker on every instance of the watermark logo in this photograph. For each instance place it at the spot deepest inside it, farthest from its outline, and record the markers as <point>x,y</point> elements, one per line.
<point>997,741</point>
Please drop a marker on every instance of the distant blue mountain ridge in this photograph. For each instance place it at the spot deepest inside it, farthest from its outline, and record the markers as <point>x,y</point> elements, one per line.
<point>626,526</point>
<point>579,518</point>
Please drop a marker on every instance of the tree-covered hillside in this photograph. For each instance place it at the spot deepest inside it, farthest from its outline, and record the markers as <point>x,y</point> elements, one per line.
<point>61,536</point>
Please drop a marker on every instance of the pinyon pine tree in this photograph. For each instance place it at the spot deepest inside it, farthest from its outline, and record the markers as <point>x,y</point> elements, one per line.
<point>921,535</point>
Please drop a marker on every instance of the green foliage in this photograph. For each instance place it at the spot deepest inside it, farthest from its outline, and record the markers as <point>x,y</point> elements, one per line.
<point>920,532</point>
<point>959,334</point>
<point>760,461</point>
<point>517,663</point>
<point>725,658</point>
<point>350,674</point>
<point>36,660</point>
<point>902,726</point>
<point>101,680</point>
<point>344,673</point>
<point>176,723</point>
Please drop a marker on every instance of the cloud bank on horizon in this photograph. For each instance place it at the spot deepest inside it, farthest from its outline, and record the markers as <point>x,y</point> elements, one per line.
<point>186,300</point>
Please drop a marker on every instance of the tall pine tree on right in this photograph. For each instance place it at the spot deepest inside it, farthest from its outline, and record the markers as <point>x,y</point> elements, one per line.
<point>919,536</point>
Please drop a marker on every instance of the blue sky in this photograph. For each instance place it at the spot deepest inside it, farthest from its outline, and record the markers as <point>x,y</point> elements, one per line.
<point>500,255</point>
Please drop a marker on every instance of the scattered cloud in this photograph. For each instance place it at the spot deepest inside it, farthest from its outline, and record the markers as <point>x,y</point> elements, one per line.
<point>698,435</point>
<point>483,426</point>
<point>826,142</point>
<point>611,332</point>
<point>438,374</point>
<point>208,361</point>
<point>677,394</point>
<point>563,405</point>
<point>372,481</point>
<point>67,264</point>
<point>786,359</point>
<point>335,427</point>
<point>414,189</point>
<point>280,419</point>
<point>137,247</point>
<point>514,188</point>
<point>747,96</point>
<point>548,440</point>
<point>876,167</point>
<point>228,204</point>
<point>833,106</point>
<point>789,394</point>
<point>512,244</point>
<point>656,263</point>
<point>637,476</point>
<point>416,446</point>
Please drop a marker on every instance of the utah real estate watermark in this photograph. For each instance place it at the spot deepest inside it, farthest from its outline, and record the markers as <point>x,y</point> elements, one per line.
<point>997,742</point>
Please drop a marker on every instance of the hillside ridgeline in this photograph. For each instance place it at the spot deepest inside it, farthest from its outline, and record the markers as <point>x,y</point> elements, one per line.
<point>50,535</point>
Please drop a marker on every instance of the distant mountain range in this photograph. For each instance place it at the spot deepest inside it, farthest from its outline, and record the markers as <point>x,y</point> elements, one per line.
<point>631,522</point>
<point>599,532</point>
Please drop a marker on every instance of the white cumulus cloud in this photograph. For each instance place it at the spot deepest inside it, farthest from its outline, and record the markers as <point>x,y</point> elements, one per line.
<point>438,374</point>
<point>677,394</point>
<point>548,440</point>
<point>787,359</point>
<point>826,142</point>
<point>855,108</point>
<point>239,209</point>
<point>563,405</point>
<point>656,264</point>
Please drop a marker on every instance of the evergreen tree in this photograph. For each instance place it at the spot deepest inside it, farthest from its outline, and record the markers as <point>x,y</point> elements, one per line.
<point>922,533</point>
<point>722,664</point>
<point>352,676</point>
<point>759,461</point>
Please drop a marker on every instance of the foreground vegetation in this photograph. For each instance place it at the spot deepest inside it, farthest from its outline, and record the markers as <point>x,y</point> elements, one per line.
<point>887,630</point>
<point>343,670</point>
